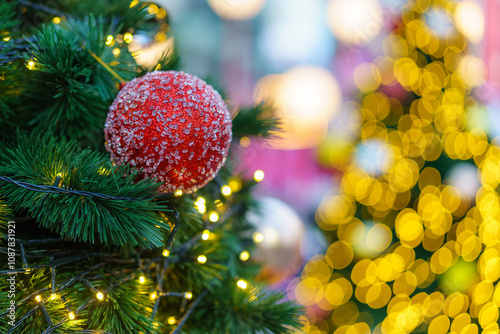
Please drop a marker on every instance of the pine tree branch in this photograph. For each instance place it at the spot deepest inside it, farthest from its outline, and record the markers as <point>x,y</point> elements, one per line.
<point>190,310</point>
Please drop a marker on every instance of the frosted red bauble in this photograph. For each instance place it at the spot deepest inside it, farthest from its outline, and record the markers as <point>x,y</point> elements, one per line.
<point>171,124</point>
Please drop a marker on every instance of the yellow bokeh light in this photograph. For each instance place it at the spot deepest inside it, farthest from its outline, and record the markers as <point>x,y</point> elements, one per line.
<point>172,320</point>
<point>116,52</point>
<point>205,235</point>
<point>56,20</point>
<point>242,284</point>
<point>213,216</point>
<point>244,256</point>
<point>71,315</point>
<point>258,237</point>
<point>202,259</point>
<point>99,296</point>
<point>142,279</point>
<point>38,298</point>
<point>128,38</point>
<point>258,176</point>
<point>226,191</point>
<point>165,253</point>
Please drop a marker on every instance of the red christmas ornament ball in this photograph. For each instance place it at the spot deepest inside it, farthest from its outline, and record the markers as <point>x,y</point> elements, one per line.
<point>171,124</point>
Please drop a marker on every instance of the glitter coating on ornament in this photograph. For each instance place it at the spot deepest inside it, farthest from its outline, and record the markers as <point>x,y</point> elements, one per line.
<point>173,125</point>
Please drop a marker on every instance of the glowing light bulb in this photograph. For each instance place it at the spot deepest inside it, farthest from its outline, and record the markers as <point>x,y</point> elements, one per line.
<point>116,52</point>
<point>258,176</point>
<point>56,20</point>
<point>38,298</point>
<point>188,295</point>
<point>202,259</point>
<point>226,191</point>
<point>244,256</point>
<point>6,39</point>
<point>178,193</point>
<point>128,38</point>
<point>31,65</point>
<point>142,279</point>
<point>258,237</point>
<point>53,296</point>
<point>71,315</point>
<point>99,296</point>
<point>153,295</point>
<point>109,40</point>
<point>165,252</point>
<point>205,235</point>
<point>172,320</point>
<point>213,216</point>
<point>242,284</point>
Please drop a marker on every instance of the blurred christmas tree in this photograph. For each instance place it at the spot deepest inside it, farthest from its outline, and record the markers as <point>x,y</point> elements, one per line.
<point>413,226</point>
<point>95,247</point>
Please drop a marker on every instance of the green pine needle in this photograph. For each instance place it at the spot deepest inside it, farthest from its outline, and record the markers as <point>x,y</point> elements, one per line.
<point>39,160</point>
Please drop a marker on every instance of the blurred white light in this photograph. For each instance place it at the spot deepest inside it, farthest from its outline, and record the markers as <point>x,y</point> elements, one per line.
<point>463,176</point>
<point>236,9</point>
<point>293,35</point>
<point>469,20</point>
<point>307,97</point>
<point>373,156</point>
<point>355,21</point>
<point>438,21</point>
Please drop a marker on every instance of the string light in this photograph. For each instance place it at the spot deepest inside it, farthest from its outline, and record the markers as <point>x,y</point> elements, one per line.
<point>53,296</point>
<point>172,320</point>
<point>165,253</point>
<point>71,315</point>
<point>226,191</point>
<point>6,39</point>
<point>258,237</point>
<point>213,216</point>
<point>205,235</point>
<point>153,295</point>
<point>128,38</point>
<point>142,279</point>
<point>200,205</point>
<point>38,298</point>
<point>116,52</point>
<point>110,40</point>
<point>56,20</point>
<point>258,176</point>
<point>31,65</point>
<point>99,296</point>
<point>178,193</point>
<point>242,284</point>
<point>188,295</point>
<point>244,256</point>
<point>202,259</point>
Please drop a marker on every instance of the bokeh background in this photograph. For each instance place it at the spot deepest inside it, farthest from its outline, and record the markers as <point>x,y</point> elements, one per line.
<point>381,211</point>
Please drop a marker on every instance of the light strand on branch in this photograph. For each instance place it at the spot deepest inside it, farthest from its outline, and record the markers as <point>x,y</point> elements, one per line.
<point>60,190</point>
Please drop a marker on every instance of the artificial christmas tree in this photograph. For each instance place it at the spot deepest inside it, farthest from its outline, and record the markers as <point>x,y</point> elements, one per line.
<point>100,245</point>
<point>413,225</point>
